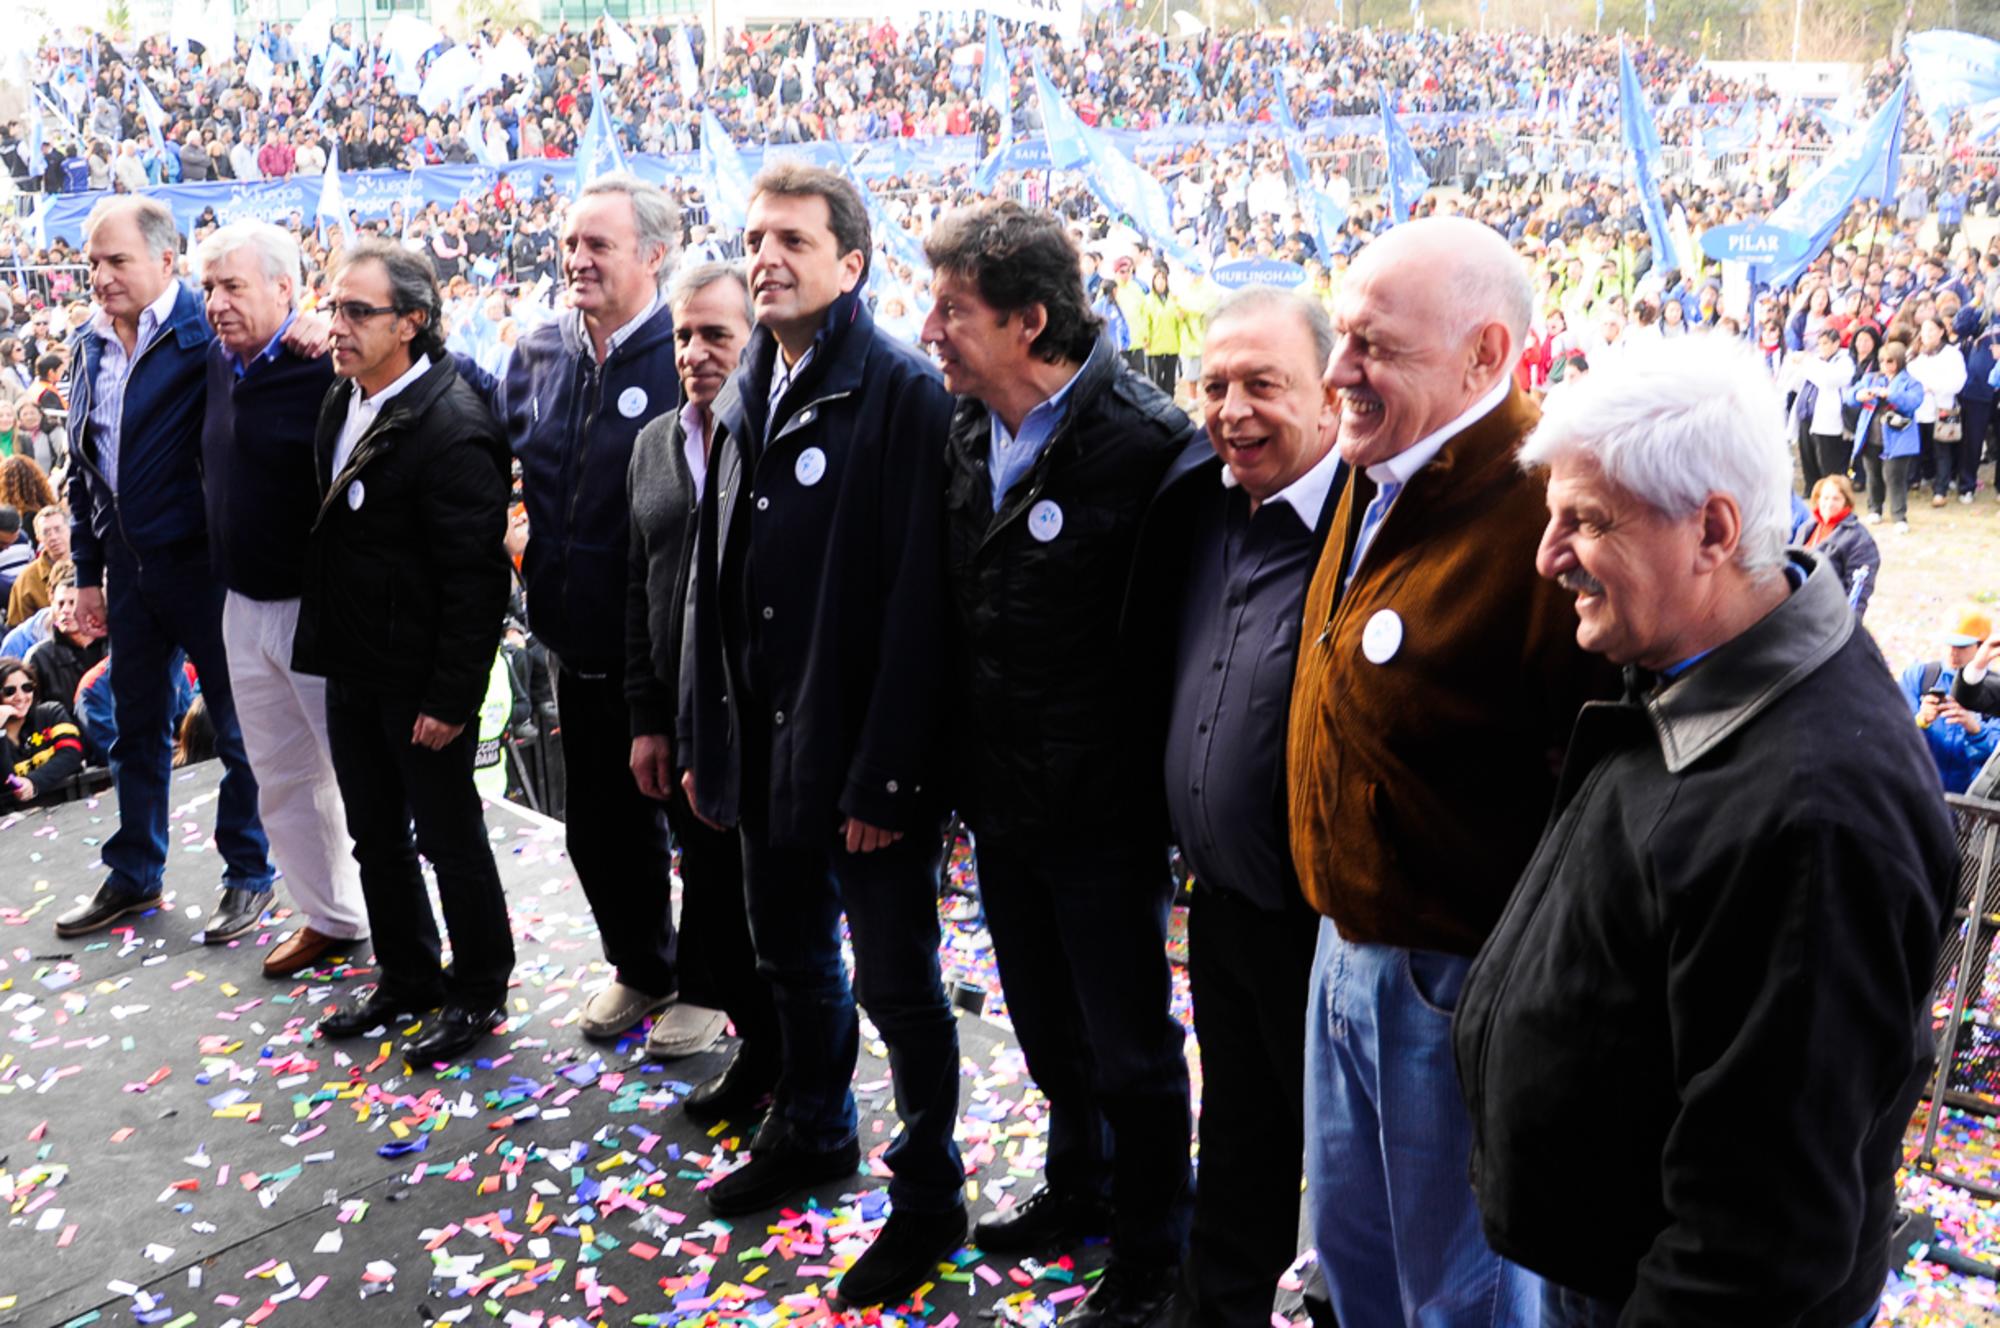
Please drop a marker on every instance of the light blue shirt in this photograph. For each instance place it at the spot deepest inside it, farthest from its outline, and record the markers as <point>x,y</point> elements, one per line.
<point>270,352</point>
<point>1013,455</point>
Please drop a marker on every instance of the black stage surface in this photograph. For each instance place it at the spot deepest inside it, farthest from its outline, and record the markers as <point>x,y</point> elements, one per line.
<point>177,1148</point>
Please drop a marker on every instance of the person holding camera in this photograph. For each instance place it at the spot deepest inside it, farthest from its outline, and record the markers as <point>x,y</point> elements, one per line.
<point>1886,439</point>
<point>1959,738</point>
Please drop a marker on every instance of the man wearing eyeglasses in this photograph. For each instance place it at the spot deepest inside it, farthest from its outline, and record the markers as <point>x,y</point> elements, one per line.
<point>405,584</point>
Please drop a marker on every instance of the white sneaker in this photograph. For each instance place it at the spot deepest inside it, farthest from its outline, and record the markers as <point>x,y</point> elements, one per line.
<point>1902,527</point>
<point>685,1030</point>
<point>616,1007</point>
<point>1966,498</point>
<point>1873,518</point>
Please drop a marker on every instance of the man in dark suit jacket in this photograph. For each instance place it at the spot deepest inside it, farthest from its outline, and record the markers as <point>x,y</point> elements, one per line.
<point>405,584</point>
<point>710,306</point>
<point>1438,678</point>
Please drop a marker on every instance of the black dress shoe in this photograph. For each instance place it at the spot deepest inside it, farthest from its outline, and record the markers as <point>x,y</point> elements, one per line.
<point>236,914</point>
<point>778,1170</point>
<point>451,1032</point>
<point>1129,1295</point>
<point>741,1092</point>
<point>372,1007</point>
<point>105,907</point>
<point>1044,1220</point>
<point>905,1255</point>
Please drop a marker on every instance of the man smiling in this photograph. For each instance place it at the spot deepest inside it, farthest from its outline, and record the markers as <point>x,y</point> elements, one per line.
<point>1437,681</point>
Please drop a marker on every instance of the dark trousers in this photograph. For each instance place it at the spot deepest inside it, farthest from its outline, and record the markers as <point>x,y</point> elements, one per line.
<point>1833,453</point>
<point>1943,457</point>
<point>616,835</point>
<point>797,895</point>
<point>1978,429</point>
<point>1080,939</point>
<point>1809,466</point>
<point>1162,369</point>
<point>718,966</point>
<point>1887,476</point>
<point>1251,971</point>
<point>173,603</point>
<point>388,782</point>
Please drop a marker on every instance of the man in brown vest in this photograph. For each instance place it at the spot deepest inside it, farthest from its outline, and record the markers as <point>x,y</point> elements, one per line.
<point>1437,680</point>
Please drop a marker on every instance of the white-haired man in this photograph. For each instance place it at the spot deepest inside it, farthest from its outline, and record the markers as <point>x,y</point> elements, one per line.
<point>576,393</point>
<point>1437,681</point>
<point>1690,929</point>
<point>262,495</point>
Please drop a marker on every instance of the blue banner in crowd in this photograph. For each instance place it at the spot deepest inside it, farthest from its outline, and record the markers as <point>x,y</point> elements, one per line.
<point>1642,140</point>
<point>1863,165</point>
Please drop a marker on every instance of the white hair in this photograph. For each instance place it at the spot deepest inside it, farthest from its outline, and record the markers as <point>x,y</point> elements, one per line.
<point>276,250</point>
<point>1684,420</point>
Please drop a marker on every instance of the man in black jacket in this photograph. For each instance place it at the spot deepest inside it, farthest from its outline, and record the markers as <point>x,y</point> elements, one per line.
<point>712,317</point>
<point>812,709</point>
<point>1056,451</point>
<point>1750,968</point>
<point>576,393</point>
<point>405,583</point>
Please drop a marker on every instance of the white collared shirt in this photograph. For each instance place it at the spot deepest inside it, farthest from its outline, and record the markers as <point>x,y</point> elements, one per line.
<point>577,332</point>
<point>1401,468</point>
<point>114,370</point>
<point>694,446</point>
<point>782,377</point>
<point>1305,495</point>
<point>361,414</point>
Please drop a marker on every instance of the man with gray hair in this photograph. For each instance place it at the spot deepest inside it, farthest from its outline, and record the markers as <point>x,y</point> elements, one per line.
<point>1437,681</point>
<point>1248,506</point>
<point>1691,929</point>
<point>576,393</point>
<point>257,472</point>
<point>137,394</point>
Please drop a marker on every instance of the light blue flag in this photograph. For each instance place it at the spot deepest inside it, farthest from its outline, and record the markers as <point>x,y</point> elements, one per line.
<point>728,181</point>
<point>890,238</point>
<point>1651,16</point>
<point>996,90</point>
<point>1862,165</point>
<point>686,73</point>
<point>332,207</point>
<point>1321,213</point>
<point>598,152</point>
<point>1642,140</point>
<point>1119,184</point>
<point>1407,178</point>
<point>152,112</point>
<point>38,160</point>
<point>1739,135</point>
<point>1600,13</point>
<point>1953,70</point>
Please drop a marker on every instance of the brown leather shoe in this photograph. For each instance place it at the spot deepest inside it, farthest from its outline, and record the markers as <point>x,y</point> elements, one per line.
<point>302,949</point>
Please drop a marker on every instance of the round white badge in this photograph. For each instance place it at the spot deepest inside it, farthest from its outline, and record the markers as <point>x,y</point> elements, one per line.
<point>355,495</point>
<point>1045,520</point>
<point>631,401</point>
<point>1382,637</point>
<point>810,468</point>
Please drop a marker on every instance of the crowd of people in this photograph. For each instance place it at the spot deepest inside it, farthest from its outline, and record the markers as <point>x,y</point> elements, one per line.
<point>1098,556</point>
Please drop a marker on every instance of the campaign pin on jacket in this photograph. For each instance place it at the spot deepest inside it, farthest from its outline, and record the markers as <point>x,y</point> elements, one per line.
<point>810,468</point>
<point>1382,637</point>
<point>1045,520</point>
<point>356,495</point>
<point>632,401</point>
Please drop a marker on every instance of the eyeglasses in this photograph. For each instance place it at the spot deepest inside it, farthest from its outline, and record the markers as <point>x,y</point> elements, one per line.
<point>18,689</point>
<point>354,311</point>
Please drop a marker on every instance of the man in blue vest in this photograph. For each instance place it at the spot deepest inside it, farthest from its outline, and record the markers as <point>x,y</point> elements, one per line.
<point>137,392</point>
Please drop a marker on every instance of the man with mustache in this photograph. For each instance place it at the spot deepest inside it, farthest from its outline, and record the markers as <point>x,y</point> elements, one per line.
<point>1437,681</point>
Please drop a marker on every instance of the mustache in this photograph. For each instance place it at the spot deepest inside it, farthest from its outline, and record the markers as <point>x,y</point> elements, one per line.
<point>1580,582</point>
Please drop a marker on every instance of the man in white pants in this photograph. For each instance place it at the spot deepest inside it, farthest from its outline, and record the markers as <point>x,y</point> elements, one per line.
<point>262,499</point>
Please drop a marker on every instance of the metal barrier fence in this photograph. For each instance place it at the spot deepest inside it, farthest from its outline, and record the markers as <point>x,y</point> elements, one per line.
<point>1965,990</point>
<point>49,283</point>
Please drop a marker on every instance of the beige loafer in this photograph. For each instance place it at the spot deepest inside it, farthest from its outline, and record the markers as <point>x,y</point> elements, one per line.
<point>685,1030</point>
<point>616,1008</point>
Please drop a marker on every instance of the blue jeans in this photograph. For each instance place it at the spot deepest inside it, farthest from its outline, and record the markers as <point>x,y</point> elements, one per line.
<point>1563,1308</point>
<point>796,897</point>
<point>1388,1144</point>
<point>172,602</point>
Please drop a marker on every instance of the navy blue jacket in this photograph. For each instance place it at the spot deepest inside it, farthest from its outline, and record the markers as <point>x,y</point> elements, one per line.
<point>818,592</point>
<point>572,423</point>
<point>257,463</point>
<point>159,504</point>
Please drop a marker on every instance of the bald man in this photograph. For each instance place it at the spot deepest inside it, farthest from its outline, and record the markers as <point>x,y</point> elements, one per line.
<point>1436,683</point>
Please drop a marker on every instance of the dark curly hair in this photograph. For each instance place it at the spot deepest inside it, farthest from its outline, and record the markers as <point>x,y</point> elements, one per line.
<point>1018,258</point>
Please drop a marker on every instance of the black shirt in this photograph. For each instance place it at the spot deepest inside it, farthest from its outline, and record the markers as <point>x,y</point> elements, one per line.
<point>1238,640</point>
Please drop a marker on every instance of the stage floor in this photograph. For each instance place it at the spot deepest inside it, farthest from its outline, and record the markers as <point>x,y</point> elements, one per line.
<point>176,1148</point>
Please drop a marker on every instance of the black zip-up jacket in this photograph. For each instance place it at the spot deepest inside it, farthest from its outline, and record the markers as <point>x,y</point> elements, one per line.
<point>664,511</point>
<point>1692,1044</point>
<point>572,423</point>
<point>406,568</point>
<point>1059,686</point>
<point>818,591</point>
